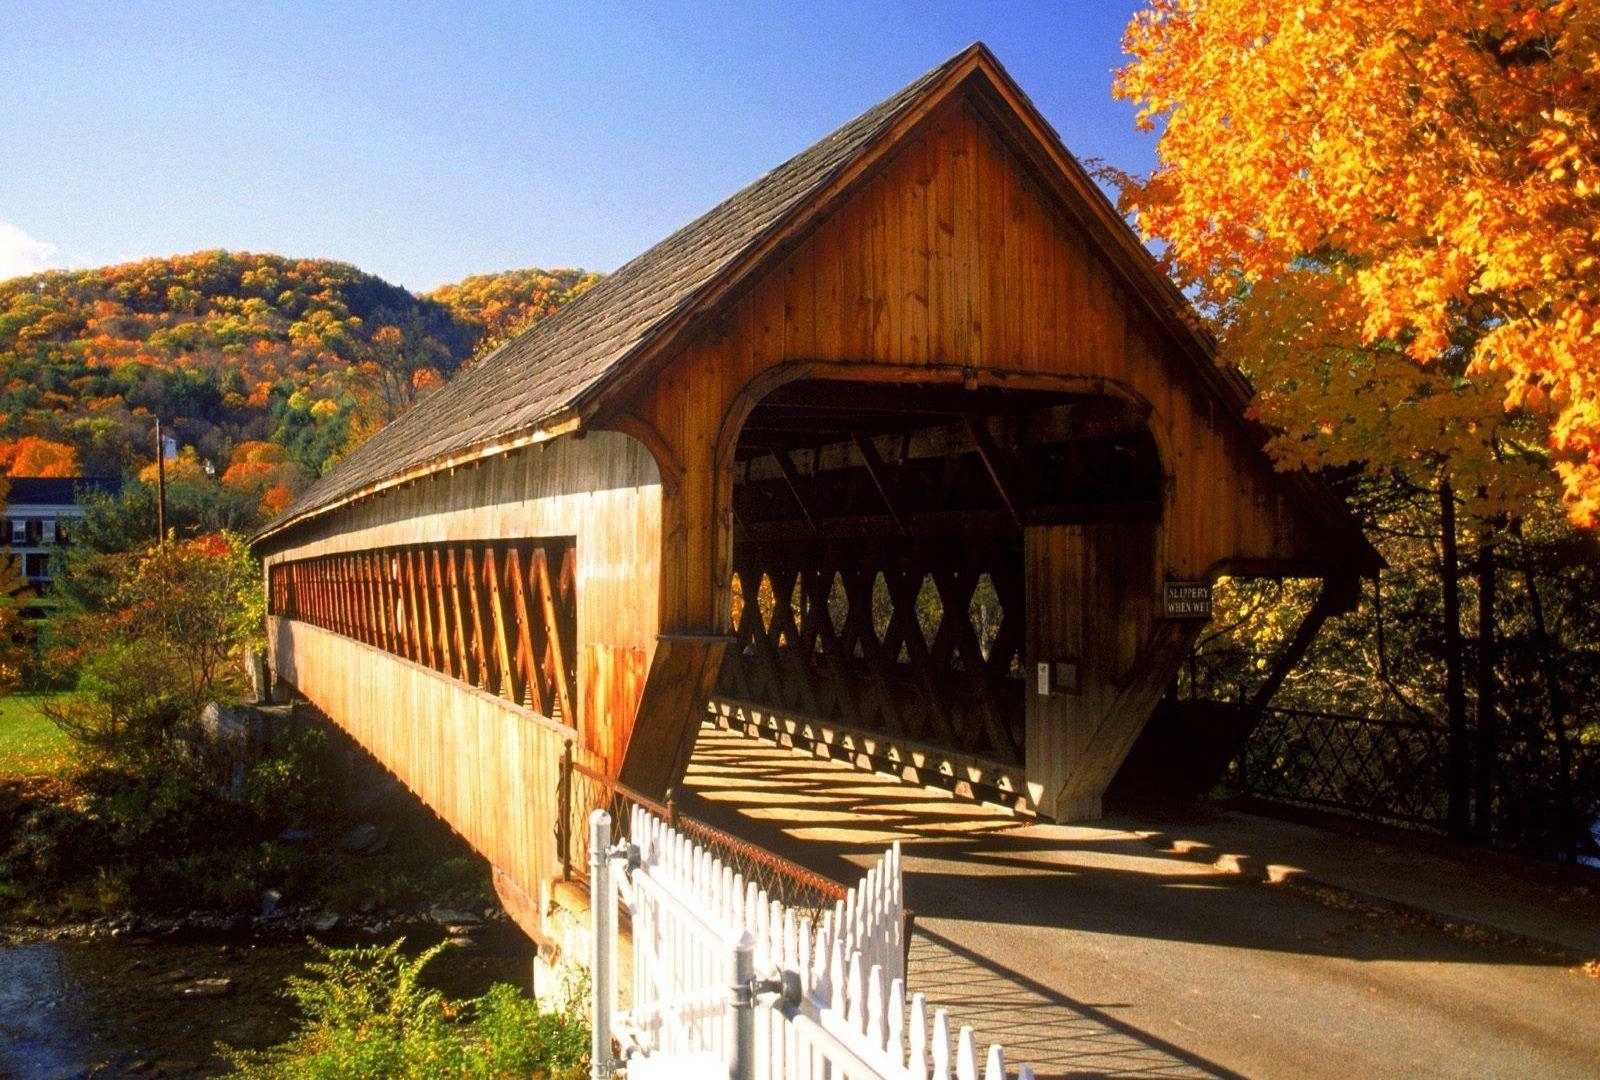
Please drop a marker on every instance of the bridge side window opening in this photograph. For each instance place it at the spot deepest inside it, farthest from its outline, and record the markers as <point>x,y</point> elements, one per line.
<point>500,616</point>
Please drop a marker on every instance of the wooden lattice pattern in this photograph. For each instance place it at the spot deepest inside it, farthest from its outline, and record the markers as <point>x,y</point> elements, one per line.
<point>501,616</point>
<point>895,645</point>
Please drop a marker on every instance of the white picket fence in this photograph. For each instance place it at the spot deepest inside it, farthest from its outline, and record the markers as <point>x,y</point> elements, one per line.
<point>729,983</point>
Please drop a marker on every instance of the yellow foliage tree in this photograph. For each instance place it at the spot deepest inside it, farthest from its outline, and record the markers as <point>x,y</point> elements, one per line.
<point>1393,208</point>
<point>185,468</point>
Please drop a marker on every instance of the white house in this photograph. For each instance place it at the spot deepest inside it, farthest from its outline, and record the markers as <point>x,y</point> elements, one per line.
<point>39,513</point>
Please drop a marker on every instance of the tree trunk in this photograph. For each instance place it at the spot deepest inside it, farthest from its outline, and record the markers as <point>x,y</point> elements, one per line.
<point>1488,724</point>
<point>1569,820</point>
<point>1458,757</point>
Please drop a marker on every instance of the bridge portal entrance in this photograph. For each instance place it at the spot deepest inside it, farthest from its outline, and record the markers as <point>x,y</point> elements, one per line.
<point>883,605</point>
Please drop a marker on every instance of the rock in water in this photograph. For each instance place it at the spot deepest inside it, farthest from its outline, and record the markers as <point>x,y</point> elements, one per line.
<point>452,916</point>
<point>209,988</point>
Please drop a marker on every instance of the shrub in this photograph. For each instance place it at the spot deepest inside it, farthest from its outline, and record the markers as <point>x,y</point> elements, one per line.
<point>365,1013</point>
<point>519,1038</point>
<point>49,843</point>
<point>155,813</point>
<point>290,789</point>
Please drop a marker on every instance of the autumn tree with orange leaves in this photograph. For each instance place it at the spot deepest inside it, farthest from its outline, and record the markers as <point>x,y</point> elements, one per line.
<point>1390,210</point>
<point>1394,208</point>
<point>264,471</point>
<point>33,456</point>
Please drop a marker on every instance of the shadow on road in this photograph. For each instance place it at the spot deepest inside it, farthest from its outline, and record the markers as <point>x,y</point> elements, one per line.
<point>1087,878</point>
<point>1057,1035</point>
<point>1010,912</point>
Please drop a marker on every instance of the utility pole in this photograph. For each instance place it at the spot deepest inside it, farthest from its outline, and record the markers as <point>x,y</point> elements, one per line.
<point>161,485</point>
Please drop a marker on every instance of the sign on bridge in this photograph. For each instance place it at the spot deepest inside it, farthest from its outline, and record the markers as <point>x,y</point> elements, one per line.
<point>1188,600</point>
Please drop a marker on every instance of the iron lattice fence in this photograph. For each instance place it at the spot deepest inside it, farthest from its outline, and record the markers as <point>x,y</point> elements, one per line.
<point>1543,794</point>
<point>1385,768</point>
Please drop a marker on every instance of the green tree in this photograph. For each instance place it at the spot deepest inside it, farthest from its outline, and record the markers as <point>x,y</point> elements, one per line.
<point>157,634</point>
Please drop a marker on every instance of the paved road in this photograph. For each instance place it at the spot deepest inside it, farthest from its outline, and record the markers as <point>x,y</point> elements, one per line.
<point>1088,953</point>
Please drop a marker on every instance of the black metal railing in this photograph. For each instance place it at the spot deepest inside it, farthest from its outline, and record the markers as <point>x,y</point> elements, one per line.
<point>1544,792</point>
<point>1383,768</point>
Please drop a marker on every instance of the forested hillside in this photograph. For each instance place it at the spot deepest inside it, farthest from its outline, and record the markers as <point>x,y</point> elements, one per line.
<point>265,369</point>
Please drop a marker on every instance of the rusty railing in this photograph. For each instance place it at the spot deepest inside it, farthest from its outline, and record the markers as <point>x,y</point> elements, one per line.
<point>582,789</point>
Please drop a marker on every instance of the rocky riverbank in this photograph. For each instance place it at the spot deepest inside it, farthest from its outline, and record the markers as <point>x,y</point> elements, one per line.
<point>321,839</point>
<point>460,925</point>
<point>154,991</point>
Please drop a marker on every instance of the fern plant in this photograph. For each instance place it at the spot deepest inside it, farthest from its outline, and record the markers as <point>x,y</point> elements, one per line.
<point>364,1013</point>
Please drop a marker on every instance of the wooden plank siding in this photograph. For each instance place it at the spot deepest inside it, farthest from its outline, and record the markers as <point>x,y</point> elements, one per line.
<point>1015,295</point>
<point>487,765</point>
<point>600,494</point>
<point>956,263</point>
<point>531,614</point>
<point>945,241</point>
<point>354,640</point>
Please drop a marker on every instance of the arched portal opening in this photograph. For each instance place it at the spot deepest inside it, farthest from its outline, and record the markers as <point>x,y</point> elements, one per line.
<point>880,593</point>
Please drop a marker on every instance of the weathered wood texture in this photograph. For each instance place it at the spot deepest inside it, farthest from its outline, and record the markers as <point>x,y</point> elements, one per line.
<point>487,765</point>
<point>411,633</point>
<point>955,261</point>
<point>499,616</point>
<point>955,249</point>
<point>959,261</point>
<point>599,496</point>
<point>881,637</point>
<point>1096,604</point>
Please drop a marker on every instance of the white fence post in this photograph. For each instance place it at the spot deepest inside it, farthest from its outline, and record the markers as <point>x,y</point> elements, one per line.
<point>835,1008</point>
<point>603,914</point>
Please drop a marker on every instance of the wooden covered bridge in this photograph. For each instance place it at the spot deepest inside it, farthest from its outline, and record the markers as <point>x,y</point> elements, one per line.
<point>908,443</point>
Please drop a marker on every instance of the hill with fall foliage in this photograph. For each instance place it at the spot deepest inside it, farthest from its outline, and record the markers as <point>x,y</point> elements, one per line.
<point>264,369</point>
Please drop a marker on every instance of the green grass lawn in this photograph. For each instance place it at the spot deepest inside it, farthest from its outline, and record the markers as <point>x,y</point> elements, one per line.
<point>30,745</point>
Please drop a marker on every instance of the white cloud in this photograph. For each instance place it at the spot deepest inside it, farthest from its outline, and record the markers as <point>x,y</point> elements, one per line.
<point>22,254</point>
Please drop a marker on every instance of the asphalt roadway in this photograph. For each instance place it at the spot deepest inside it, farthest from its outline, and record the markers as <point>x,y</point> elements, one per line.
<point>1086,952</point>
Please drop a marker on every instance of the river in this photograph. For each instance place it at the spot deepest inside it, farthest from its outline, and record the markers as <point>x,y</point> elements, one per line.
<point>128,1007</point>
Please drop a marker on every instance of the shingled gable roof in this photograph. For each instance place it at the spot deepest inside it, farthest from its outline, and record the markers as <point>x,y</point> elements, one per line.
<point>546,380</point>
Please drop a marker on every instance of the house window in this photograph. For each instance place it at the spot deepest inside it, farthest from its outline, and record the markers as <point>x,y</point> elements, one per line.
<point>61,532</point>
<point>36,566</point>
<point>19,531</point>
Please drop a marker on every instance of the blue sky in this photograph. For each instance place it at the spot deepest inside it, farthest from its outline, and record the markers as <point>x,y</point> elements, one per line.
<point>424,142</point>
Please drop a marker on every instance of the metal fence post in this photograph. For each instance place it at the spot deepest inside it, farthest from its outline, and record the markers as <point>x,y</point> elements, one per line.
<point>742,1008</point>
<point>603,930</point>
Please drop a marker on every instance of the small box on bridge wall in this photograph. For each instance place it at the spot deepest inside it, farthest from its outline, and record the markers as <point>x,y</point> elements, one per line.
<point>1188,600</point>
<point>1059,677</point>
